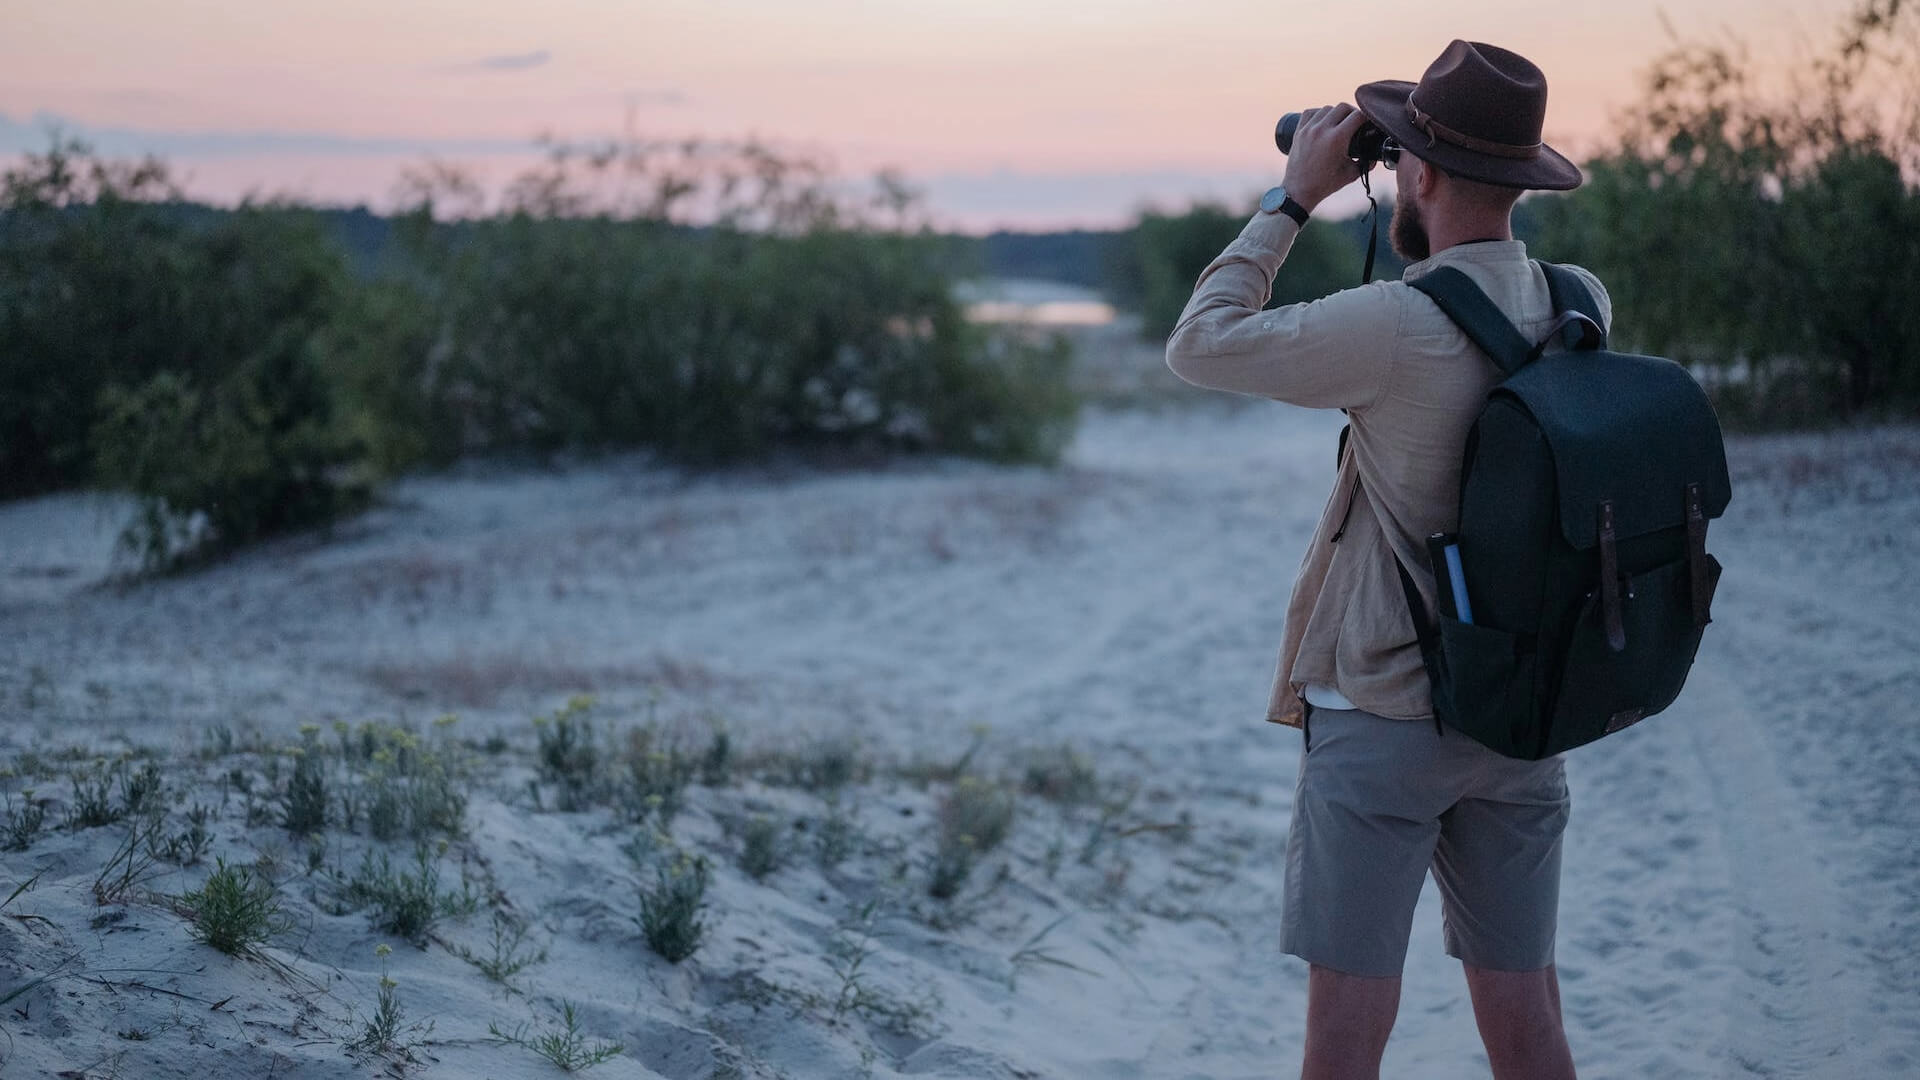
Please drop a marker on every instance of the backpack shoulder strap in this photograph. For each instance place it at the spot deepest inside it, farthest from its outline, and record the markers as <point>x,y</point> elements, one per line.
<point>1569,293</point>
<point>1482,321</point>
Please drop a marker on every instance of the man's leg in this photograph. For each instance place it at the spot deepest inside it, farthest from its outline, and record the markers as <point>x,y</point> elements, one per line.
<point>1519,1017</point>
<point>1348,1020</point>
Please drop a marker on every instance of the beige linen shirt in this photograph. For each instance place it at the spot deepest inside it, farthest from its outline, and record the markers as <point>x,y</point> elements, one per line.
<point>1412,385</point>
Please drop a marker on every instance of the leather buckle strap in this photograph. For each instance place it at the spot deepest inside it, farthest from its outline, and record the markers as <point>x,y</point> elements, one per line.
<point>1697,556</point>
<point>1434,130</point>
<point>1609,586</point>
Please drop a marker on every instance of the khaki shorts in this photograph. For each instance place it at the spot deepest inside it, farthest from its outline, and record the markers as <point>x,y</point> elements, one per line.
<point>1378,803</point>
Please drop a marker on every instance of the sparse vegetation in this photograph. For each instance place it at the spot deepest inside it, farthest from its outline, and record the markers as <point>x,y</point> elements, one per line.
<point>570,752</point>
<point>1062,775</point>
<point>974,818</point>
<point>23,822</point>
<point>93,804</point>
<point>130,866</point>
<point>406,903</point>
<point>380,1032</point>
<point>504,959</point>
<point>671,908</point>
<point>657,774</point>
<point>186,847</point>
<point>760,847</point>
<point>716,765</point>
<point>306,808</point>
<point>566,1047</point>
<point>835,839</point>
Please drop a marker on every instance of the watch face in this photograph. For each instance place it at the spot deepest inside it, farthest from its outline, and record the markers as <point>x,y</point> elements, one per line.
<point>1271,201</point>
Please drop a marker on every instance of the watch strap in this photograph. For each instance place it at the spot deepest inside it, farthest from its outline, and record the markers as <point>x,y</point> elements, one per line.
<point>1293,210</point>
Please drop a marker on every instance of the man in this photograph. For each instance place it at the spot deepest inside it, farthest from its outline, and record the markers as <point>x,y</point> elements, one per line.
<point>1382,796</point>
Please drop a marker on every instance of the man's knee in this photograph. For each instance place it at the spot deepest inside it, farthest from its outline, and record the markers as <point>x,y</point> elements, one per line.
<point>1362,1001</point>
<point>1524,998</point>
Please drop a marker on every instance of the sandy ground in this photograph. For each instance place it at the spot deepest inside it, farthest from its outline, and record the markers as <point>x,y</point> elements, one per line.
<point>1740,889</point>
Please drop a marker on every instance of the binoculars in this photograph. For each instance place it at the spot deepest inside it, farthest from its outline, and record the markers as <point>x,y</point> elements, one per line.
<point>1363,148</point>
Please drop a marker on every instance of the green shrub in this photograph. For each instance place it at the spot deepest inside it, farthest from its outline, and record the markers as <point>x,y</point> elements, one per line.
<point>235,910</point>
<point>1764,237</point>
<point>229,368</point>
<point>717,345</point>
<point>168,350</point>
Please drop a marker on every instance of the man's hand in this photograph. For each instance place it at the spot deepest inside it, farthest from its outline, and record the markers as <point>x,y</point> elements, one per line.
<point>1318,165</point>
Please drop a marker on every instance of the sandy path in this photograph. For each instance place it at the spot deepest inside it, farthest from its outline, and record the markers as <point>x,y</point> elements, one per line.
<point>1741,889</point>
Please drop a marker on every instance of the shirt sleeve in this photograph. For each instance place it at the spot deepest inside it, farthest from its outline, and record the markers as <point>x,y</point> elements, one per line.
<point>1335,352</point>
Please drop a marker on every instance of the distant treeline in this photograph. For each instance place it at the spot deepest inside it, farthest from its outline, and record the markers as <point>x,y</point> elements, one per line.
<point>263,369</point>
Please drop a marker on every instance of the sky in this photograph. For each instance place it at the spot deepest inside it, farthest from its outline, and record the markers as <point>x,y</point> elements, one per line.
<point>1015,113</point>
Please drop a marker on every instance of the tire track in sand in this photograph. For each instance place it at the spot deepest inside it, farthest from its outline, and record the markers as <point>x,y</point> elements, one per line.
<point>1805,993</point>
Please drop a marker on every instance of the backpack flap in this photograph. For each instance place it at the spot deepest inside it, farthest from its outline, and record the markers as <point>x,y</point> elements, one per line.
<point>1630,431</point>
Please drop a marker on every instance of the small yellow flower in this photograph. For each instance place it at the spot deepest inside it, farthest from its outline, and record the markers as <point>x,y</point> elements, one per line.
<point>383,949</point>
<point>309,729</point>
<point>387,983</point>
<point>445,719</point>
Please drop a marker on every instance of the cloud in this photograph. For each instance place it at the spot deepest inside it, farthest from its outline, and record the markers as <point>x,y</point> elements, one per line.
<point>19,136</point>
<point>510,61</point>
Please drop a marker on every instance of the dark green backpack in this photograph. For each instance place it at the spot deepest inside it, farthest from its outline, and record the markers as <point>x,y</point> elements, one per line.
<point>1586,487</point>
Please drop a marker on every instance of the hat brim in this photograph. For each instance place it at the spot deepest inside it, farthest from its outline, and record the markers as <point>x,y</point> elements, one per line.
<point>1385,103</point>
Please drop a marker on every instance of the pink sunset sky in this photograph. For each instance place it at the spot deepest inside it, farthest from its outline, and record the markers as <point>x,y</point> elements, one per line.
<point>1020,113</point>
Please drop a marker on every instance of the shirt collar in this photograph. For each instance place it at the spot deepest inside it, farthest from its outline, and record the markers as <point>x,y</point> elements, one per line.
<point>1483,251</point>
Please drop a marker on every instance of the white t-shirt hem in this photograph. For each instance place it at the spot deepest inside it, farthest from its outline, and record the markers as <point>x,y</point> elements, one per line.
<point>1323,696</point>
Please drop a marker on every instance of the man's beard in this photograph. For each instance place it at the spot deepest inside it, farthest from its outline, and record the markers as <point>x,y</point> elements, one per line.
<point>1407,233</point>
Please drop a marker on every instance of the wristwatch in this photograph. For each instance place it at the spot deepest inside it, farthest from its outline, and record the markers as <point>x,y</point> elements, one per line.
<point>1277,201</point>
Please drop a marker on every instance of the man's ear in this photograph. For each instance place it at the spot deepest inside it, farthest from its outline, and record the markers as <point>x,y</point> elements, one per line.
<point>1429,182</point>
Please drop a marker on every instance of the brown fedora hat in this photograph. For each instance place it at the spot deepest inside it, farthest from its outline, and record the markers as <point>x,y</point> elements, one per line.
<point>1477,113</point>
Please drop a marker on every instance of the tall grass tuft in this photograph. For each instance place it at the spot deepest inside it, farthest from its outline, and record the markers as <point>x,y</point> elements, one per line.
<point>407,903</point>
<point>306,803</point>
<point>760,847</point>
<point>671,908</point>
<point>974,818</point>
<point>569,752</point>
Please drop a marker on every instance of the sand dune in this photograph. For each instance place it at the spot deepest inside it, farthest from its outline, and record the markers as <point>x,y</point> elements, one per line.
<point>1740,892</point>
